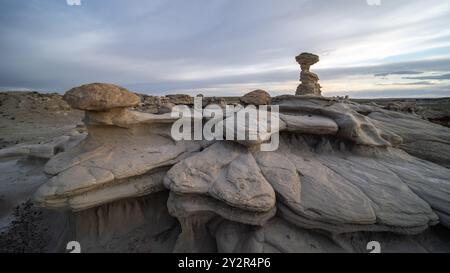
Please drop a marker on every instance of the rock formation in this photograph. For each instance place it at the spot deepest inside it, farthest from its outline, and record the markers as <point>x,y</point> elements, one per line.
<point>344,173</point>
<point>310,81</point>
<point>100,97</point>
<point>257,97</point>
<point>121,157</point>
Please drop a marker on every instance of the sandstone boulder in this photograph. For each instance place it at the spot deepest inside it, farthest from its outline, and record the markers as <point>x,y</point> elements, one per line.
<point>257,97</point>
<point>100,97</point>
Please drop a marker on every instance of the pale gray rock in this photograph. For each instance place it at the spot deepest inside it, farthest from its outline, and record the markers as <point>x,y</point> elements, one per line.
<point>310,124</point>
<point>106,156</point>
<point>338,202</point>
<point>165,108</point>
<point>45,150</point>
<point>226,171</point>
<point>282,175</point>
<point>397,206</point>
<point>428,180</point>
<point>421,138</point>
<point>340,191</point>
<point>274,237</point>
<point>252,132</point>
<point>125,118</point>
<point>353,126</point>
<point>188,205</point>
<point>134,187</point>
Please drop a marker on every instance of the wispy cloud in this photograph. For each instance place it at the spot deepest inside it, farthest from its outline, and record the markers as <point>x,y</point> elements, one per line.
<point>222,47</point>
<point>437,77</point>
<point>406,83</point>
<point>384,74</point>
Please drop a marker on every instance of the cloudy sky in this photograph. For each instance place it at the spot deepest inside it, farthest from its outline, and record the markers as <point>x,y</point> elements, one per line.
<point>400,48</point>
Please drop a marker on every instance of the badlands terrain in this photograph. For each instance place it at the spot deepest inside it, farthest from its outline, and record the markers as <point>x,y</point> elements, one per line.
<point>347,172</point>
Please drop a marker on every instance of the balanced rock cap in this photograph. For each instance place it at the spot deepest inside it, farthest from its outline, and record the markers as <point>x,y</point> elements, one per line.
<point>100,97</point>
<point>257,97</point>
<point>307,58</point>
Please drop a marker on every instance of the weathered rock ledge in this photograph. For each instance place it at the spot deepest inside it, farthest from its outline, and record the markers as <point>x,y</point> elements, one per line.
<point>341,169</point>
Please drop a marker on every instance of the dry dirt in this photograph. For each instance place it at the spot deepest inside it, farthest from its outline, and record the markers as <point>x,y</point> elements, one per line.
<point>32,117</point>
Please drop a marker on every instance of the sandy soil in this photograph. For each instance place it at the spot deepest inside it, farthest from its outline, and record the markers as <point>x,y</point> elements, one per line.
<point>28,117</point>
<point>32,117</point>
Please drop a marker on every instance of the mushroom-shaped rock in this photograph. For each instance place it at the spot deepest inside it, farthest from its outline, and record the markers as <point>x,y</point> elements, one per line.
<point>257,97</point>
<point>306,60</point>
<point>100,97</point>
<point>310,81</point>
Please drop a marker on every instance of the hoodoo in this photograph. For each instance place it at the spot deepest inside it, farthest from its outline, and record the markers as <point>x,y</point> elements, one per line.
<point>310,81</point>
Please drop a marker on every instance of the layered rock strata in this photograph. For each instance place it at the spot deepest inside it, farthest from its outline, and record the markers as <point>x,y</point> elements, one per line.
<point>341,170</point>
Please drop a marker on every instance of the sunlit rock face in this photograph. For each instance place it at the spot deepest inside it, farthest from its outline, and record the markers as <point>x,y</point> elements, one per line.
<point>100,97</point>
<point>256,97</point>
<point>341,171</point>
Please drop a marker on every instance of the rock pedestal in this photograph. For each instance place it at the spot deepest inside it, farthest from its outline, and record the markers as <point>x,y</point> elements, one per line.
<point>310,81</point>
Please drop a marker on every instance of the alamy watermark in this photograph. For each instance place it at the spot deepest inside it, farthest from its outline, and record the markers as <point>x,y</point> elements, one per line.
<point>236,123</point>
<point>73,247</point>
